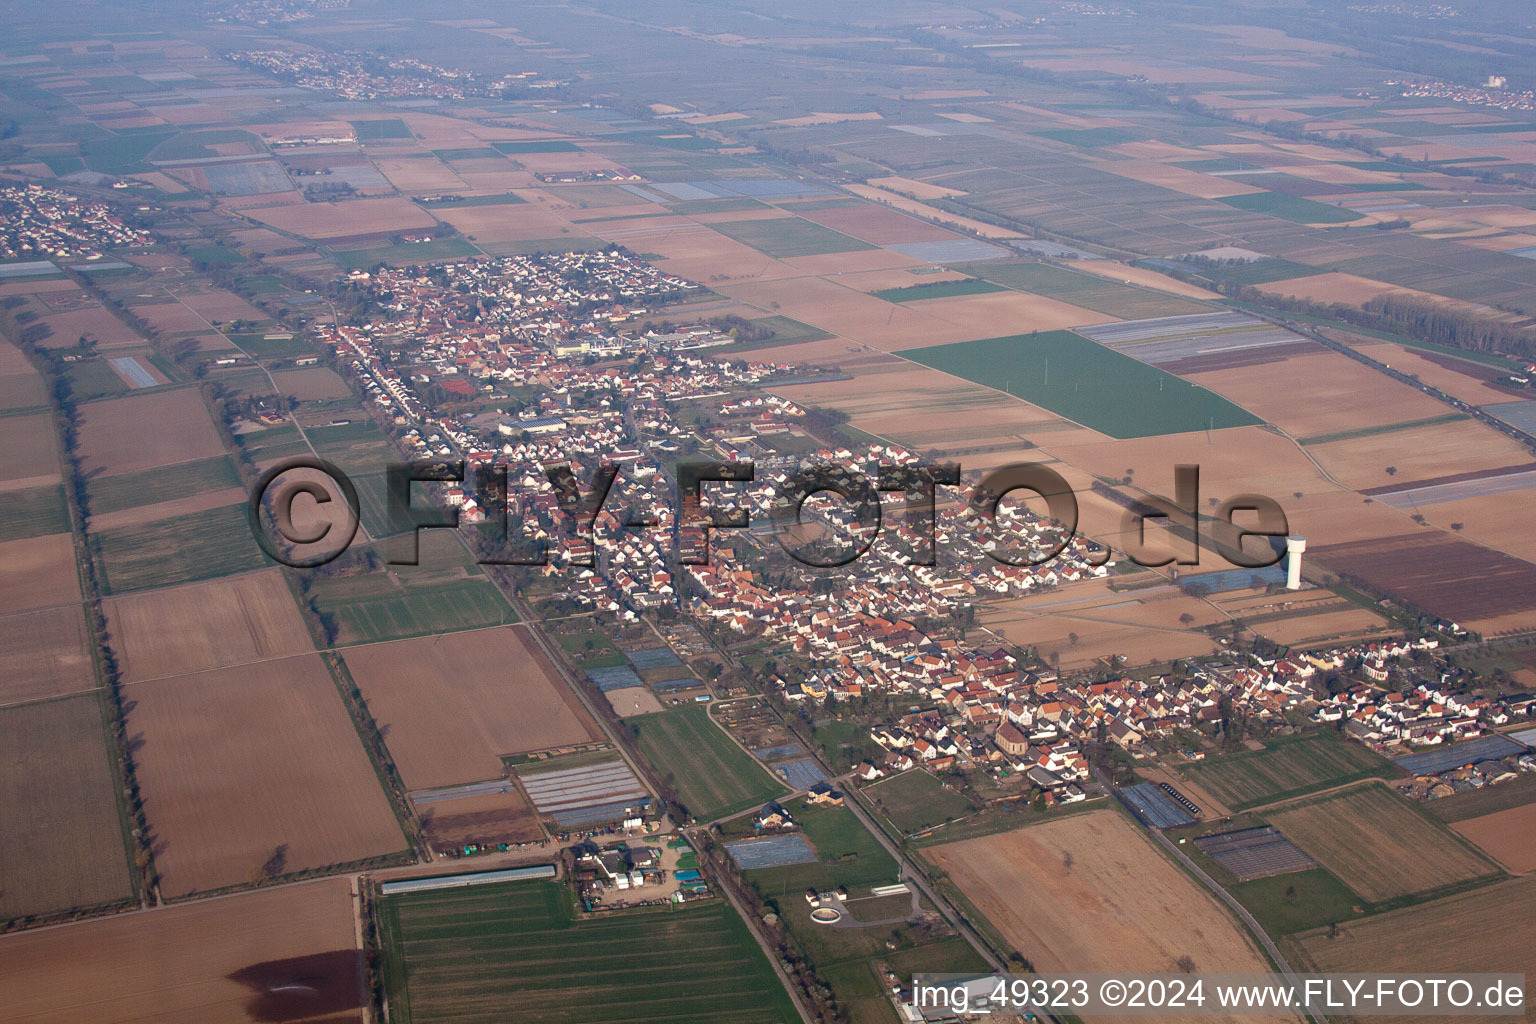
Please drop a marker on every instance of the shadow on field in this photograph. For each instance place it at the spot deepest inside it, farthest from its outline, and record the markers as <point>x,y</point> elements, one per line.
<point>304,987</point>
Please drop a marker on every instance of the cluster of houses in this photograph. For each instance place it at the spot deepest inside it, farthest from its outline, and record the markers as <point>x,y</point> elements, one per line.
<point>355,75</point>
<point>532,322</point>
<point>871,627</point>
<point>37,222</point>
<point>773,817</point>
<point>278,12</point>
<point>1497,97</point>
<point>1002,719</point>
<point>1425,714</point>
<point>629,867</point>
<point>1467,778</point>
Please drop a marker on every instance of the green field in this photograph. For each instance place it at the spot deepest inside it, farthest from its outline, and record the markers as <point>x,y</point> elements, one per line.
<point>1086,382</point>
<point>914,801</point>
<point>1257,272</point>
<point>1289,207</point>
<point>33,512</point>
<point>379,606</point>
<point>786,331</point>
<point>667,140</point>
<point>687,206</point>
<point>182,480</point>
<point>1297,902</point>
<point>501,199</point>
<point>360,447</point>
<point>936,290</point>
<point>372,500</point>
<point>711,774</point>
<point>1091,138</point>
<point>259,346</point>
<point>536,146</point>
<point>586,644</point>
<point>215,255</point>
<point>121,154</point>
<point>789,236</point>
<point>467,955</point>
<point>405,254</point>
<point>1085,290</point>
<point>477,153</point>
<point>195,546</point>
<point>848,855</point>
<point>1287,768</point>
<point>1389,186</point>
<point>263,284</point>
<point>92,379</point>
<point>383,128</point>
<point>196,145</point>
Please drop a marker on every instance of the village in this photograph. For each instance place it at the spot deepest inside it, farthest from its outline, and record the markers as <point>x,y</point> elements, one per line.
<point>41,222</point>
<point>582,380</point>
<point>1491,94</point>
<point>359,76</point>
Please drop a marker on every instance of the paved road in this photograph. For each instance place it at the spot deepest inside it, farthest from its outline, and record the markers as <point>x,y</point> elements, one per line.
<point>556,659</point>
<point>913,876</point>
<point>1210,883</point>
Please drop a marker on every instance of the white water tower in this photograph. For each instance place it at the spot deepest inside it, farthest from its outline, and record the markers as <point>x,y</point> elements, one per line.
<point>1294,546</point>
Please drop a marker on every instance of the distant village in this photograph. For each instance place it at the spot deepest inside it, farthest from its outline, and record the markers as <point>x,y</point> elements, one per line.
<point>1490,94</point>
<point>38,222</point>
<point>355,75</point>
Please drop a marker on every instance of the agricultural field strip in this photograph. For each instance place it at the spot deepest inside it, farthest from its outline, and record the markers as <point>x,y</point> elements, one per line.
<point>1158,328</point>
<point>712,771</point>
<point>771,852</point>
<point>1255,853</point>
<point>1123,397</point>
<point>456,955</point>
<point>1437,494</point>
<point>1379,844</point>
<point>1170,339</point>
<point>1243,781</point>
<point>473,789</point>
<point>581,787</point>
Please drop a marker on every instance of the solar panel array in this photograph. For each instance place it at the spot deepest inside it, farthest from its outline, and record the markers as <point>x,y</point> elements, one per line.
<point>801,774</point>
<point>581,796</point>
<point>1155,807</point>
<point>615,678</point>
<point>1459,755</point>
<point>655,657</point>
<point>1255,853</point>
<point>783,750</point>
<point>771,852</point>
<point>680,683</point>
